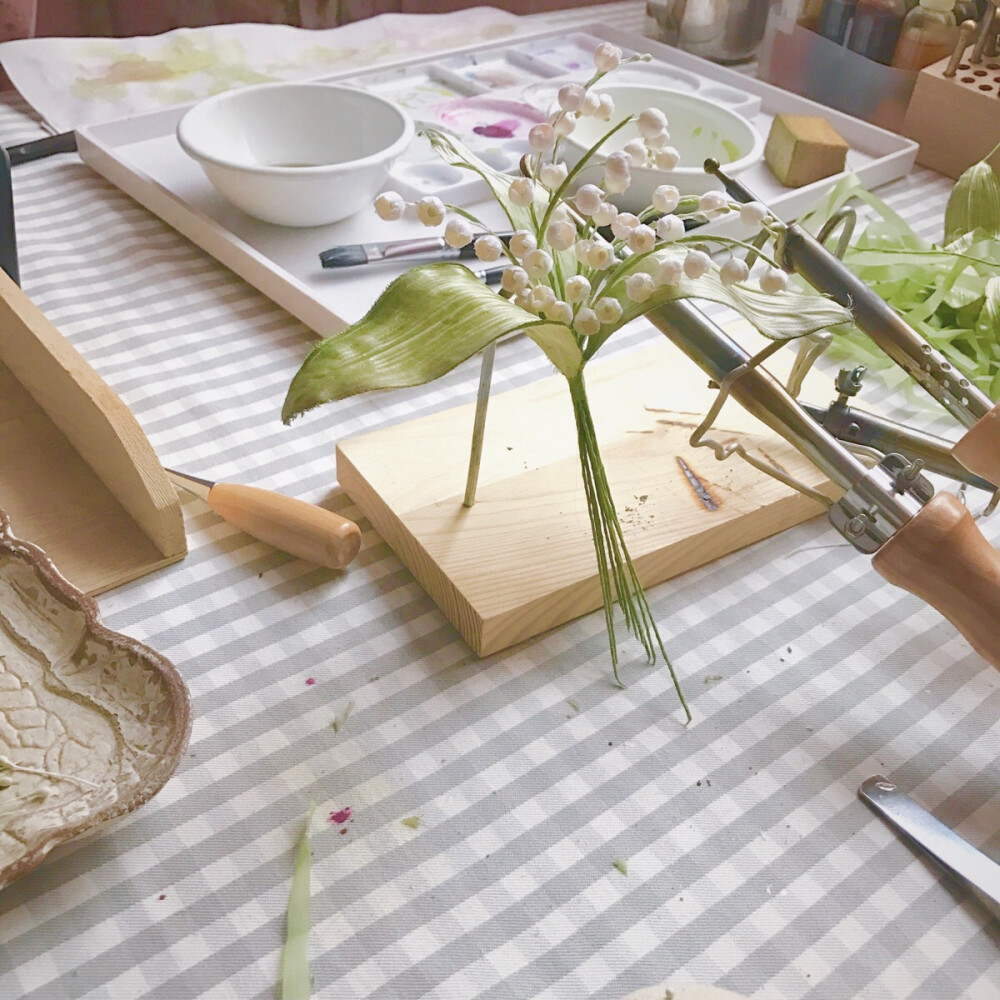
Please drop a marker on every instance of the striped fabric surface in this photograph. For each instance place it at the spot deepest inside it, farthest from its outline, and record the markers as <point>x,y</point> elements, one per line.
<point>750,861</point>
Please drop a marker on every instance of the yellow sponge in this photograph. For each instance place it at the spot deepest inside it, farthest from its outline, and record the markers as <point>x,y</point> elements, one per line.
<point>802,148</point>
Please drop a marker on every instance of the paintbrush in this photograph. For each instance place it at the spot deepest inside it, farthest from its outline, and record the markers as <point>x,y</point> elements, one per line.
<point>421,251</point>
<point>416,251</point>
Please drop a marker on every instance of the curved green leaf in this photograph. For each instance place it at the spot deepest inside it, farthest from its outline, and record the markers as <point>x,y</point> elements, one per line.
<point>783,316</point>
<point>974,203</point>
<point>424,324</point>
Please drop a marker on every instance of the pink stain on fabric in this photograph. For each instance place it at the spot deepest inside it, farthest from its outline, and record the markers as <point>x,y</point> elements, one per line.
<point>310,681</point>
<point>341,815</point>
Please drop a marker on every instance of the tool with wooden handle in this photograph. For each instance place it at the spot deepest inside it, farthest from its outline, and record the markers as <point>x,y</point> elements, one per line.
<point>979,449</point>
<point>302,529</point>
<point>926,544</point>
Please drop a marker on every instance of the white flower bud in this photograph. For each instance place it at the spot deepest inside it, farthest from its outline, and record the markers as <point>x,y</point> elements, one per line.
<point>652,121</point>
<point>586,322</point>
<point>559,312</point>
<point>642,239</point>
<point>666,198</point>
<point>564,126</point>
<point>601,255</point>
<point>521,243</point>
<point>773,281</point>
<point>458,233</point>
<point>591,104</point>
<point>489,248</point>
<point>582,248</point>
<point>696,264</point>
<point>713,201</point>
<point>635,149</point>
<point>733,271</point>
<point>390,206</point>
<point>571,97</point>
<point>669,271</point>
<point>668,158</point>
<point>608,310</point>
<point>542,297</point>
<point>560,235</point>
<point>514,280</point>
<point>669,228</point>
<point>618,164</point>
<point>541,137</point>
<point>606,108</point>
<point>537,263</point>
<point>639,286</point>
<point>617,184</point>
<point>607,57</point>
<point>623,224</point>
<point>753,213</point>
<point>522,192</point>
<point>524,301</point>
<point>430,211</point>
<point>588,199</point>
<point>577,288</point>
<point>606,214</point>
<point>658,141</point>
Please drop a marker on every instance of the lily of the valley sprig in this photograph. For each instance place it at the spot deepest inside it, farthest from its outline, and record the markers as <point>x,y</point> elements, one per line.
<point>578,269</point>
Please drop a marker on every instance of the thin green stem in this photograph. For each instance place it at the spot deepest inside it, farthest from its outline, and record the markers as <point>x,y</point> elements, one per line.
<point>616,571</point>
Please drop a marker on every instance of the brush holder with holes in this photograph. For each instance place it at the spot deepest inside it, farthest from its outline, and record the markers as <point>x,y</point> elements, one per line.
<point>956,120</point>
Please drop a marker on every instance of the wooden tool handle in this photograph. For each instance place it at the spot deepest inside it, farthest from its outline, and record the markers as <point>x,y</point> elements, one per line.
<point>942,557</point>
<point>302,529</point>
<point>979,450</point>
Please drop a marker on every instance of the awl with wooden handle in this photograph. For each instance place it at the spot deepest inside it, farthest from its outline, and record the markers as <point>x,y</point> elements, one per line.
<point>302,529</point>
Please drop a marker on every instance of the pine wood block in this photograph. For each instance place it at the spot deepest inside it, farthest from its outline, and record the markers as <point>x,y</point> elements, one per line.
<point>522,560</point>
<point>77,475</point>
<point>956,120</point>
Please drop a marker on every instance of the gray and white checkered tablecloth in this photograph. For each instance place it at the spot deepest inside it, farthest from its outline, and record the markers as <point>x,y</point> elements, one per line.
<point>751,863</point>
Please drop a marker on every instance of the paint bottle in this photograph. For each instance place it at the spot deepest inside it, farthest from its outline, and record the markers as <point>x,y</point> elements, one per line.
<point>835,18</point>
<point>876,27</point>
<point>929,33</point>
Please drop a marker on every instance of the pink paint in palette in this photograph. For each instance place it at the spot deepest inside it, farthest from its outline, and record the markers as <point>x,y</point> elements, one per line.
<point>489,118</point>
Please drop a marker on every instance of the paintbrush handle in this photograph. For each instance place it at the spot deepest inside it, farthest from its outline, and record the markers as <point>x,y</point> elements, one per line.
<point>294,526</point>
<point>941,556</point>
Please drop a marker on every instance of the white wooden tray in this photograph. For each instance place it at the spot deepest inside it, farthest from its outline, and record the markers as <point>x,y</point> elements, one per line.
<point>141,156</point>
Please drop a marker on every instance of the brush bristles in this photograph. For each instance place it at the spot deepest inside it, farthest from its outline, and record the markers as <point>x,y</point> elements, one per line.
<point>349,256</point>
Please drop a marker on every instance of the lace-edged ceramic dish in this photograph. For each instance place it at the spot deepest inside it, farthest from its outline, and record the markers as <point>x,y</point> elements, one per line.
<point>92,723</point>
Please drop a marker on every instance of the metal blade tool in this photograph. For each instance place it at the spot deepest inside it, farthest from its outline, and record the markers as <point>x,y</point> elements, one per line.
<point>302,529</point>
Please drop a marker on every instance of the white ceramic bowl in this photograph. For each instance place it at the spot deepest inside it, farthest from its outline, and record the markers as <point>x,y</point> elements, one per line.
<point>698,129</point>
<point>296,154</point>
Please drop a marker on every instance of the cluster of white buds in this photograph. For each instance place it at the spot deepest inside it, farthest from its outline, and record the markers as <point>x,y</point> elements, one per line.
<point>584,263</point>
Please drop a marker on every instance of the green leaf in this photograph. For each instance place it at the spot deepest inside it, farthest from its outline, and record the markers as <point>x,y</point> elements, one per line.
<point>295,983</point>
<point>784,316</point>
<point>974,203</point>
<point>452,151</point>
<point>424,324</point>
<point>622,865</point>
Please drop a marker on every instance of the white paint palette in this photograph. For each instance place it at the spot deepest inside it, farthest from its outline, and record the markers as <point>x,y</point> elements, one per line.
<point>470,91</point>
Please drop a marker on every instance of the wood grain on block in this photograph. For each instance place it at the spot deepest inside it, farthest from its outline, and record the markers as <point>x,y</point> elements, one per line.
<point>77,475</point>
<point>942,557</point>
<point>522,560</point>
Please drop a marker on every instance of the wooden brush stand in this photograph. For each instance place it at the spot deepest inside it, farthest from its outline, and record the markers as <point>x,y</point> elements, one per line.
<point>956,120</point>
